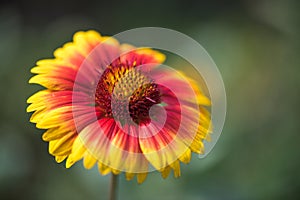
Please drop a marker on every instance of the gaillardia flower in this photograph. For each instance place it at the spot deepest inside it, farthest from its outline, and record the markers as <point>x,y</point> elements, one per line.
<point>117,106</point>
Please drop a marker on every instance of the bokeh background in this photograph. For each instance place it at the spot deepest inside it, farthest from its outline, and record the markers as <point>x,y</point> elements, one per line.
<point>255,44</point>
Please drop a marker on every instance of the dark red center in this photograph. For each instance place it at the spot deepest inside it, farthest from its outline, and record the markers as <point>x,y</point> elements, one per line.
<point>126,94</point>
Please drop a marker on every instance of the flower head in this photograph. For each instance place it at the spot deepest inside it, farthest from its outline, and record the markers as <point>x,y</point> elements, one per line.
<point>117,106</point>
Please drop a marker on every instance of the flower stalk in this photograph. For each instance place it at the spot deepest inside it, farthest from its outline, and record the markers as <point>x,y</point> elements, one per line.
<point>113,187</point>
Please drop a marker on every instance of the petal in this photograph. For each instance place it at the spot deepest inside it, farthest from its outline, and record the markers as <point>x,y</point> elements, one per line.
<point>176,168</point>
<point>87,41</point>
<point>63,145</point>
<point>113,147</point>
<point>129,176</point>
<point>54,99</point>
<point>89,160</point>
<point>141,177</point>
<point>165,171</point>
<point>59,159</point>
<point>103,169</point>
<point>186,157</point>
<point>141,56</point>
<point>69,53</point>
<point>52,82</point>
<point>163,148</point>
<point>65,117</point>
<point>55,133</point>
<point>77,153</point>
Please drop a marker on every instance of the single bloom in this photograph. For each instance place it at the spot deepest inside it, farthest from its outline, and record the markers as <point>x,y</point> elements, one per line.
<point>117,106</point>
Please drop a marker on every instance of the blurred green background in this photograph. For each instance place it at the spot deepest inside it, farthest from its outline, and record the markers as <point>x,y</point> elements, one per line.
<point>256,46</point>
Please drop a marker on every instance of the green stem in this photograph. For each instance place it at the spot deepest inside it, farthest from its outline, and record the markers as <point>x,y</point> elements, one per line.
<point>113,187</point>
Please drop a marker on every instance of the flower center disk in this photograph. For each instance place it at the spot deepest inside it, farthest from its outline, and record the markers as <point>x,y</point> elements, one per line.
<point>126,94</point>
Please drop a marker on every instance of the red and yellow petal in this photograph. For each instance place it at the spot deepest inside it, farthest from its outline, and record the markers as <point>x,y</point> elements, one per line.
<point>113,147</point>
